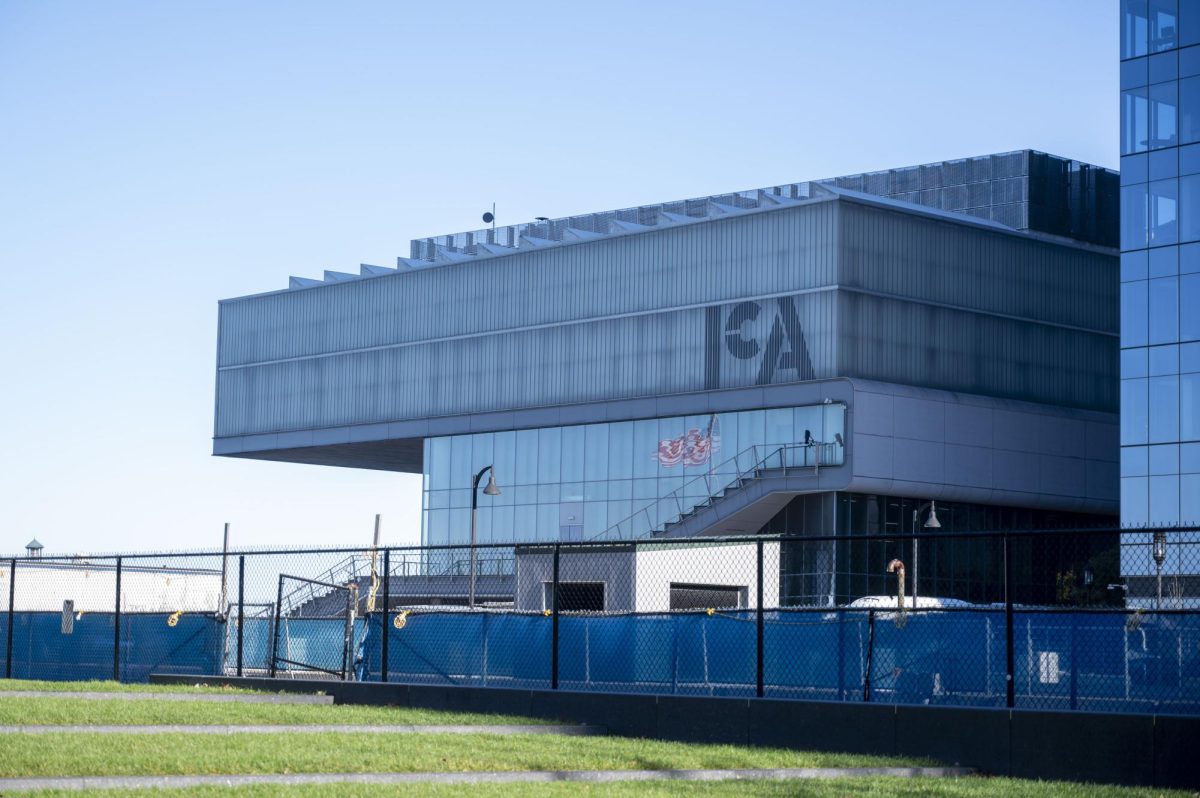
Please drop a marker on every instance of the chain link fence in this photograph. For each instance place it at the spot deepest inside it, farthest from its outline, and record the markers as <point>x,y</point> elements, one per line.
<point>1098,620</point>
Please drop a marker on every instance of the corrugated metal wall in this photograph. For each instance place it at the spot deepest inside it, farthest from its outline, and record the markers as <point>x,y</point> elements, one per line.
<point>895,257</point>
<point>644,355</point>
<point>719,260</point>
<point>654,313</point>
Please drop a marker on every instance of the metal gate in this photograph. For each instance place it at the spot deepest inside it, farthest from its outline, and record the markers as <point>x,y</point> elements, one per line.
<point>314,627</point>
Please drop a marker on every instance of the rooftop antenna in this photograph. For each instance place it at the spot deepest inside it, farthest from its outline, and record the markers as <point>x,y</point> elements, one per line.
<point>490,217</point>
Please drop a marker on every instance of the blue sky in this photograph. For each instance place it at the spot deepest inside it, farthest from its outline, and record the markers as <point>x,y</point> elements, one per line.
<point>156,157</point>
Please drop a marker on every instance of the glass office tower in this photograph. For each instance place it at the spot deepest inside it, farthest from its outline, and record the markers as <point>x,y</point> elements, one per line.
<point>1160,262</point>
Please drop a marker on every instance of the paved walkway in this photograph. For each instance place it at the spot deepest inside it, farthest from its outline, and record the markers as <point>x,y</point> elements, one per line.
<point>483,777</point>
<point>235,698</point>
<point>570,730</point>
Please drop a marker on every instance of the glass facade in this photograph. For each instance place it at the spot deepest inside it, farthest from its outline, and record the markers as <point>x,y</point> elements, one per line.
<point>967,568</point>
<point>579,482</point>
<point>1160,262</point>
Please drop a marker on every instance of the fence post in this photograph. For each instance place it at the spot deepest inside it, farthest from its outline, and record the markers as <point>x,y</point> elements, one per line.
<point>117,628</point>
<point>1009,679</point>
<point>554,625</point>
<point>12,593</point>
<point>348,639</point>
<point>241,621</point>
<point>275,628</point>
<point>387,601</point>
<point>1074,616</point>
<point>759,623</point>
<point>870,655</point>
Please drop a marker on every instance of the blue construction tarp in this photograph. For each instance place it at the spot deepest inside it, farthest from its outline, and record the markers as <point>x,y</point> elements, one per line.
<point>148,644</point>
<point>1101,661</point>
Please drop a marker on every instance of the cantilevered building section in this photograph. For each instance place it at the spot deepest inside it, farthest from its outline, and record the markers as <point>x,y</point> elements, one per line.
<point>942,332</point>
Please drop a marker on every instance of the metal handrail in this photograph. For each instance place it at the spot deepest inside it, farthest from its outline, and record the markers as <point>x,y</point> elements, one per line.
<point>722,481</point>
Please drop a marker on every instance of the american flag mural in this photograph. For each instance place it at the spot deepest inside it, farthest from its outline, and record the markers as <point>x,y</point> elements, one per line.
<point>696,447</point>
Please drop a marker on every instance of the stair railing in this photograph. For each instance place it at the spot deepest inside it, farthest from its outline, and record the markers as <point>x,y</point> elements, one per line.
<point>709,486</point>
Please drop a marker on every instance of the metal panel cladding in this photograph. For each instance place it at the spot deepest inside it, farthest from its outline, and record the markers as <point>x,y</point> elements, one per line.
<point>643,314</point>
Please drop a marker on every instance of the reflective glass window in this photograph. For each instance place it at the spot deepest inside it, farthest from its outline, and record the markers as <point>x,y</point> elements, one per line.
<point>1134,412</point>
<point>572,454</point>
<point>1164,262</point>
<point>1134,213</point>
<point>1189,458</point>
<point>1164,409</point>
<point>1135,461</point>
<point>1189,407</point>
<point>1164,500</point>
<point>1189,258</point>
<point>1164,25</point>
<point>1163,360</point>
<point>1164,163</point>
<point>1134,321</point>
<point>1135,73</point>
<point>1163,115</point>
<point>1190,208</point>
<point>1189,110</point>
<point>1135,169</point>
<point>1163,208</point>
<point>1164,66</point>
<point>1134,363</point>
<point>1164,310</point>
<point>1134,266</point>
<point>1189,357</point>
<point>1189,300</point>
<point>1135,28</point>
<point>595,464</point>
<point>1189,63</point>
<point>527,451</point>
<point>1189,22</point>
<point>1134,501</point>
<point>1135,121</point>
<point>1189,159</point>
<point>1163,459</point>
<point>1189,499</point>
<point>549,455</point>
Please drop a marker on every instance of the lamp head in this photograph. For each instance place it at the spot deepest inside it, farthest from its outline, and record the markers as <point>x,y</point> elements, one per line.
<point>932,522</point>
<point>491,488</point>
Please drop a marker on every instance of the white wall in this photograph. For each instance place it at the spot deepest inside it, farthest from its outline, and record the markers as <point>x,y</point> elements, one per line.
<point>44,587</point>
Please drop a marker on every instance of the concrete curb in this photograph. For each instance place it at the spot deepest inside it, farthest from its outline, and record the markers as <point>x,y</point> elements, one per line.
<point>482,777</point>
<point>314,728</point>
<point>230,698</point>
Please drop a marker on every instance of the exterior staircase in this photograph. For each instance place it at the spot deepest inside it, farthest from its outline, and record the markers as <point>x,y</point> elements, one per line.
<point>734,498</point>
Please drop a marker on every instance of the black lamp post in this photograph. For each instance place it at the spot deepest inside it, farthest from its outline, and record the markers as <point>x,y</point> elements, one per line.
<point>930,523</point>
<point>491,490</point>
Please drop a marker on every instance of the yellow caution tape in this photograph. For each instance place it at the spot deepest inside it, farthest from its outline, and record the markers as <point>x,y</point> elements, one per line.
<point>400,619</point>
<point>173,618</point>
<point>710,610</point>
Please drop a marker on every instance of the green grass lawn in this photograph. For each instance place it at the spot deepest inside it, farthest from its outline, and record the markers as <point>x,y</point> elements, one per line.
<point>61,754</point>
<point>8,685</point>
<point>974,787</point>
<point>56,711</point>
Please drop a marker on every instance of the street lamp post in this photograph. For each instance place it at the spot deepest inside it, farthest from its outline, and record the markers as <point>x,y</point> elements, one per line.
<point>491,490</point>
<point>930,523</point>
<point>1160,556</point>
